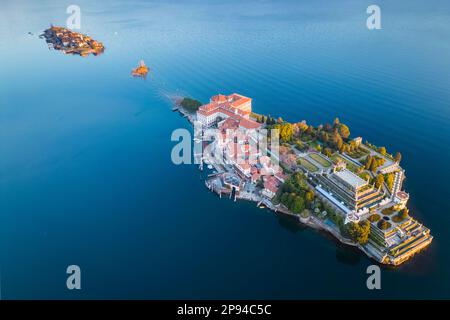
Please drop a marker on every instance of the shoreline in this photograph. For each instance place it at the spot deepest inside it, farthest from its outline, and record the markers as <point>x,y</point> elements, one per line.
<point>310,221</point>
<point>369,249</point>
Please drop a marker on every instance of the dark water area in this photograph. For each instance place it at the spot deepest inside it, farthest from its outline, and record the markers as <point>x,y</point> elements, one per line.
<point>86,175</point>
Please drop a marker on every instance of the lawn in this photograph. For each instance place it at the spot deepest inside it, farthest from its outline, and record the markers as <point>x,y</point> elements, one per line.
<point>320,160</point>
<point>307,164</point>
<point>358,153</point>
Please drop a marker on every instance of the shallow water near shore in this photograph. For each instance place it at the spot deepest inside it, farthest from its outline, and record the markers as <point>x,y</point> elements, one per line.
<point>86,175</point>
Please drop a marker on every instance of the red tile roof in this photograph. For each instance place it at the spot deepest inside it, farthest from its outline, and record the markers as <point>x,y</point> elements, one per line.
<point>271,184</point>
<point>219,98</point>
<point>249,124</point>
<point>238,100</point>
<point>231,107</point>
<point>256,176</point>
<point>402,195</point>
<point>229,123</point>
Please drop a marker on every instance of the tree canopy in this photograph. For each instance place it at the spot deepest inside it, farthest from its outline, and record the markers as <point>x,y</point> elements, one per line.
<point>286,131</point>
<point>344,131</point>
<point>296,195</point>
<point>379,180</point>
<point>359,232</point>
<point>190,104</point>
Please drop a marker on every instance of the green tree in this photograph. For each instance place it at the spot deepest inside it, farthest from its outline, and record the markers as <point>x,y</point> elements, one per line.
<point>374,165</point>
<point>390,180</point>
<point>364,232</point>
<point>286,131</point>
<point>359,232</point>
<point>284,198</point>
<point>379,180</point>
<point>382,150</point>
<point>328,152</point>
<point>374,218</point>
<point>353,146</point>
<point>365,176</point>
<point>344,131</point>
<point>383,224</point>
<point>404,214</point>
<point>190,104</point>
<point>337,141</point>
<point>309,197</point>
<point>298,204</point>
<point>369,160</point>
<point>302,126</point>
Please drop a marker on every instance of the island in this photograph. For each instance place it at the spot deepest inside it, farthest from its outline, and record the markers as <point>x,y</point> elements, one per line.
<point>140,71</point>
<point>319,175</point>
<point>70,42</point>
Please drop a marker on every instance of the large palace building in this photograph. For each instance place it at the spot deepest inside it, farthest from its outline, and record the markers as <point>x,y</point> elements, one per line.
<point>221,107</point>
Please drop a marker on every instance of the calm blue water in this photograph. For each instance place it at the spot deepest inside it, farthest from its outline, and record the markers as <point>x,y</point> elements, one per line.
<point>85,170</point>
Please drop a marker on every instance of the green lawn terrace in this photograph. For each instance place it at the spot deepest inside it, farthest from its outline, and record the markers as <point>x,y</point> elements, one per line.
<point>389,165</point>
<point>322,160</point>
<point>356,159</point>
<point>307,164</point>
<point>386,169</point>
<point>358,154</point>
<point>322,168</point>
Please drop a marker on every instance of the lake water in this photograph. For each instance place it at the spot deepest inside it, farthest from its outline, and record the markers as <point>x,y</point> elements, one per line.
<point>85,171</point>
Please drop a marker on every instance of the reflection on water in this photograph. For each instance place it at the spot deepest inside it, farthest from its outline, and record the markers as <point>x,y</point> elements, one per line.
<point>349,256</point>
<point>290,224</point>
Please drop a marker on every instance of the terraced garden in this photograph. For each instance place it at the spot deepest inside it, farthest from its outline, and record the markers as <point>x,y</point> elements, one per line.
<point>388,211</point>
<point>319,159</point>
<point>307,165</point>
<point>358,153</point>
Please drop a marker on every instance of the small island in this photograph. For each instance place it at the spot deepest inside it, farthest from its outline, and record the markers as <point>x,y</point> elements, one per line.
<point>70,42</point>
<point>140,71</point>
<point>187,107</point>
<point>320,176</point>
<point>190,105</point>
